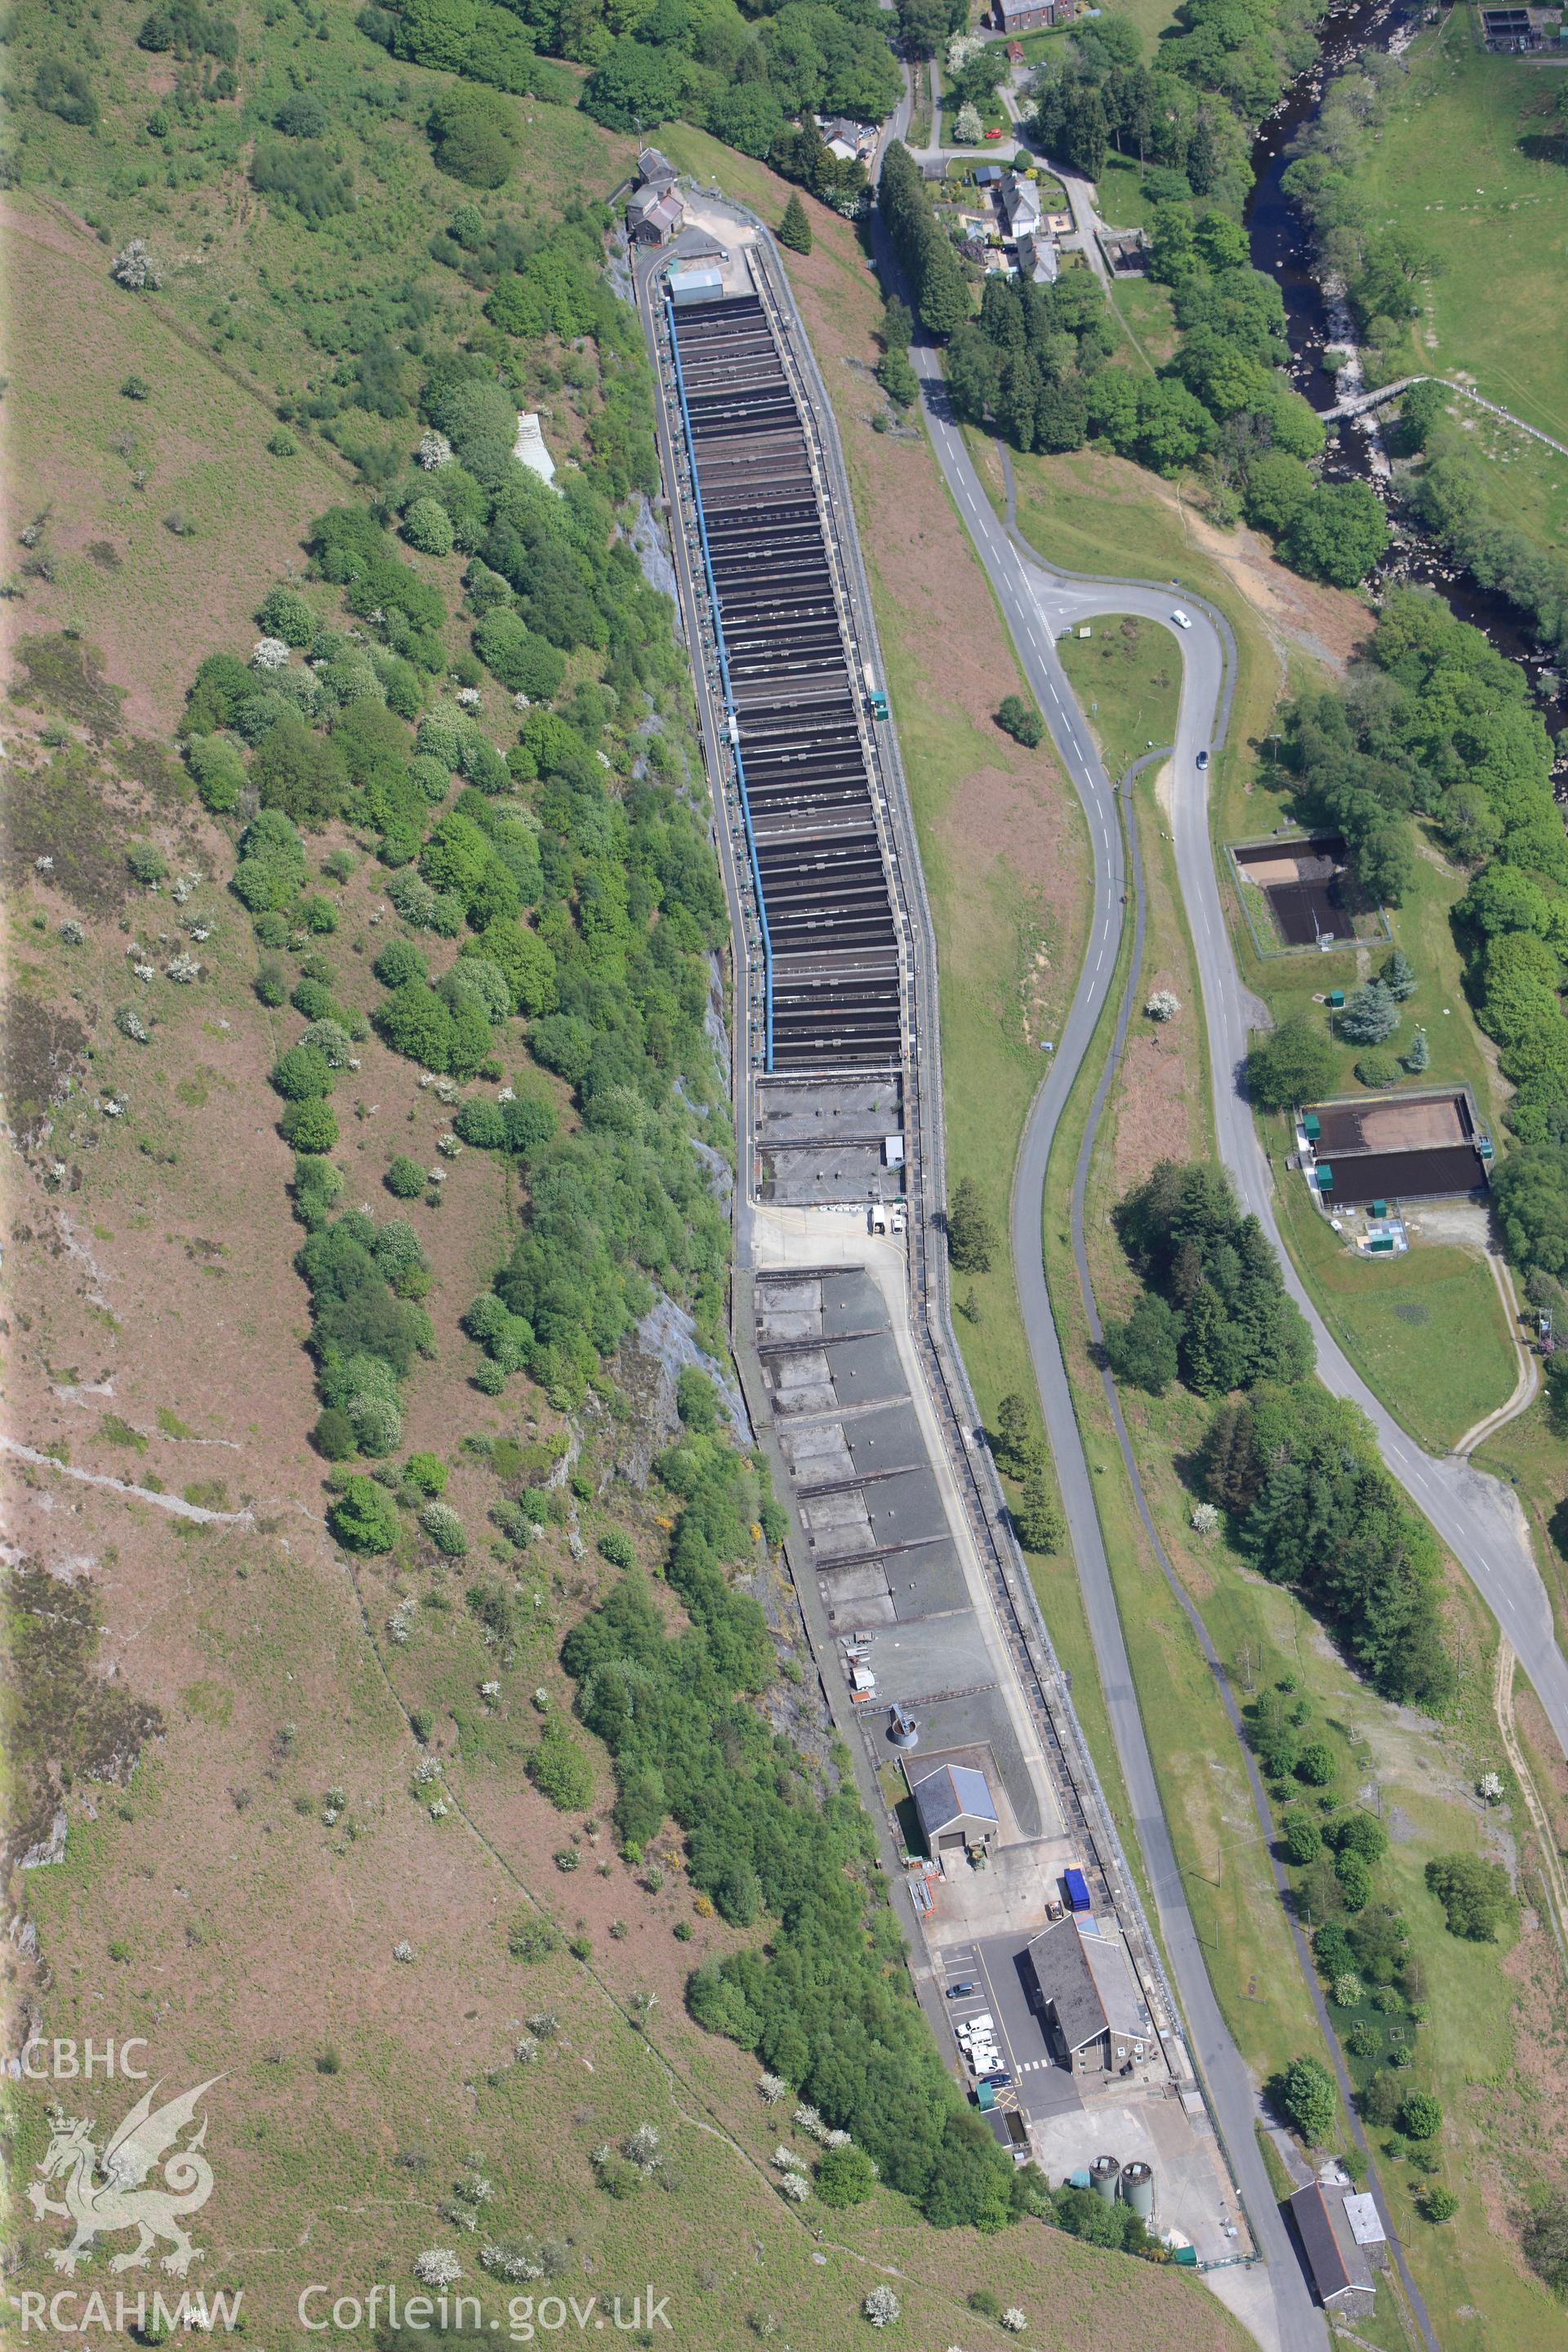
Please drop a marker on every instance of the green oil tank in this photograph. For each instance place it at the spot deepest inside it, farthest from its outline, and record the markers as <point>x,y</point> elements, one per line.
<point>1138,2189</point>
<point>1104,2173</point>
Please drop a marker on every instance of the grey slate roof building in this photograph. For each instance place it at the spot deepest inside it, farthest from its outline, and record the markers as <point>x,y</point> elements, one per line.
<point>956,1809</point>
<point>1341,2270</point>
<point>655,170</point>
<point>1095,2011</point>
<point>654,215</point>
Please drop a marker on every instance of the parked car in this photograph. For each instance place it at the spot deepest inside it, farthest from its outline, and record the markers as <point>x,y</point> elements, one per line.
<point>1000,2081</point>
<point>1203,760</point>
<point>961,1992</point>
<point>1181,619</point>
<point>899,1220</point>
<point>993,134</point>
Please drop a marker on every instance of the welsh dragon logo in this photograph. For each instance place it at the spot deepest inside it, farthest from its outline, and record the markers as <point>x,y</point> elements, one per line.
<point>107,2193</point>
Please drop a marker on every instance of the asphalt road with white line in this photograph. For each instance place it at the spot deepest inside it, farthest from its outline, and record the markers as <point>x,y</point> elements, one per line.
<point>1476,1515</point>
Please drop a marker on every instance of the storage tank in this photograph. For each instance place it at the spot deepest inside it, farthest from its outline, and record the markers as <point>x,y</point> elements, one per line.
<point>902,1728</point>
<point>1104,2173</point>
<point>1138,2189</point>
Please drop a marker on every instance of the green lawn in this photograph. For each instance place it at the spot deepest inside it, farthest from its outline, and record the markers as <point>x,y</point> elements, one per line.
<point>1465,168</point>
<point>1128,677</point>
<point>1425,1331</point>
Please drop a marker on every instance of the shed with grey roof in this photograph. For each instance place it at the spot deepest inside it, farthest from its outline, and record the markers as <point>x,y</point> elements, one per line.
<point>1094,2008</point>
<point>955,1809</point>
<point>1342,2269</point>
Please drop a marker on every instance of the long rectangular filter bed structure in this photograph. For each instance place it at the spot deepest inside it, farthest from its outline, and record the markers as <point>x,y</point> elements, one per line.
<point>829,941</point>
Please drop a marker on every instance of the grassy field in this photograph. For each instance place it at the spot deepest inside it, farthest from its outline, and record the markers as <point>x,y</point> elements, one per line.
<point>1469,169</point>
<point>1127,676</point>
<point>165,515</point>
<point>149,599</point>
<point>1425,1331</point>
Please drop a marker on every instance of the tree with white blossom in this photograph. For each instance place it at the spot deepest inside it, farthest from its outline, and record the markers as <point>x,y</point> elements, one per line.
<point>437,2266</point>
<point>882,2306</point>
<point>134,266</point>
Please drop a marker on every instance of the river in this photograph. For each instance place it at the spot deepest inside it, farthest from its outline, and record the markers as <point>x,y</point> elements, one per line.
<point>1279,248</point>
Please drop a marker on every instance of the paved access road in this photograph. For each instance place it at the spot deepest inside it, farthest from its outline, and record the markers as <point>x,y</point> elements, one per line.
<point>1025,594</point>
<point>1476,1517</point>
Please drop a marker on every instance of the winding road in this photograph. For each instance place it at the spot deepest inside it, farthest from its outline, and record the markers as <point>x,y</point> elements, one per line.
<point>1476,1517</point>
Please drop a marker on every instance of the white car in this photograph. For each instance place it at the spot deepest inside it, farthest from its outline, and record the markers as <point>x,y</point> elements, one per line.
<point>899,1221</point>
<point>1182,620</point>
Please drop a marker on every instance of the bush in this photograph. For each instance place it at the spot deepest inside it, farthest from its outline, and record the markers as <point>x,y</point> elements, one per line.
<point>1437,2204</point>
<point>559,1769</point>
<point>286,614</point>
<point>474,134</point>
<point>427,1471</point>
<point>414,1020</point>
<point>428,526</point>
<point>399,962</point>
<point>846,2175</point>
<point>1371,1014</point>
<point>1305,2093</point>
<point>303,175</point>
<point>404,1179</point>
<point>1379,1071</point>
<point>1546,2243</point>
<point>445,1529</point>
<point>1360,1833</point>
<point>1315,1765</point>
<point>1476,1895</point>
<point>971,1234</point>
<point>794,229</point>
<point>298,772</point>
<point>696,1400</point>
<point>524,662</point>
<point>1021,720</point>
<point>1294,1064</point>
<point>482,1123</point>
<point>362,1517</point>
<point>310,1126</point>
<point>333,1435</point>
<point>616,1546</point>
<point>1420,2115</point>
<point>301,1074</point>
<point>147,862</point>
<point>1379,2102</point>
<point>532,1939</point>
<point>1354,1878</point>
<point>272,985</point>
<point>218,768</point>
<point>1301,1837</point>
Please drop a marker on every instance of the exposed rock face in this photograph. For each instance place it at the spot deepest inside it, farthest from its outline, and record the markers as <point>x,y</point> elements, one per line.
<point>646,1367</point>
